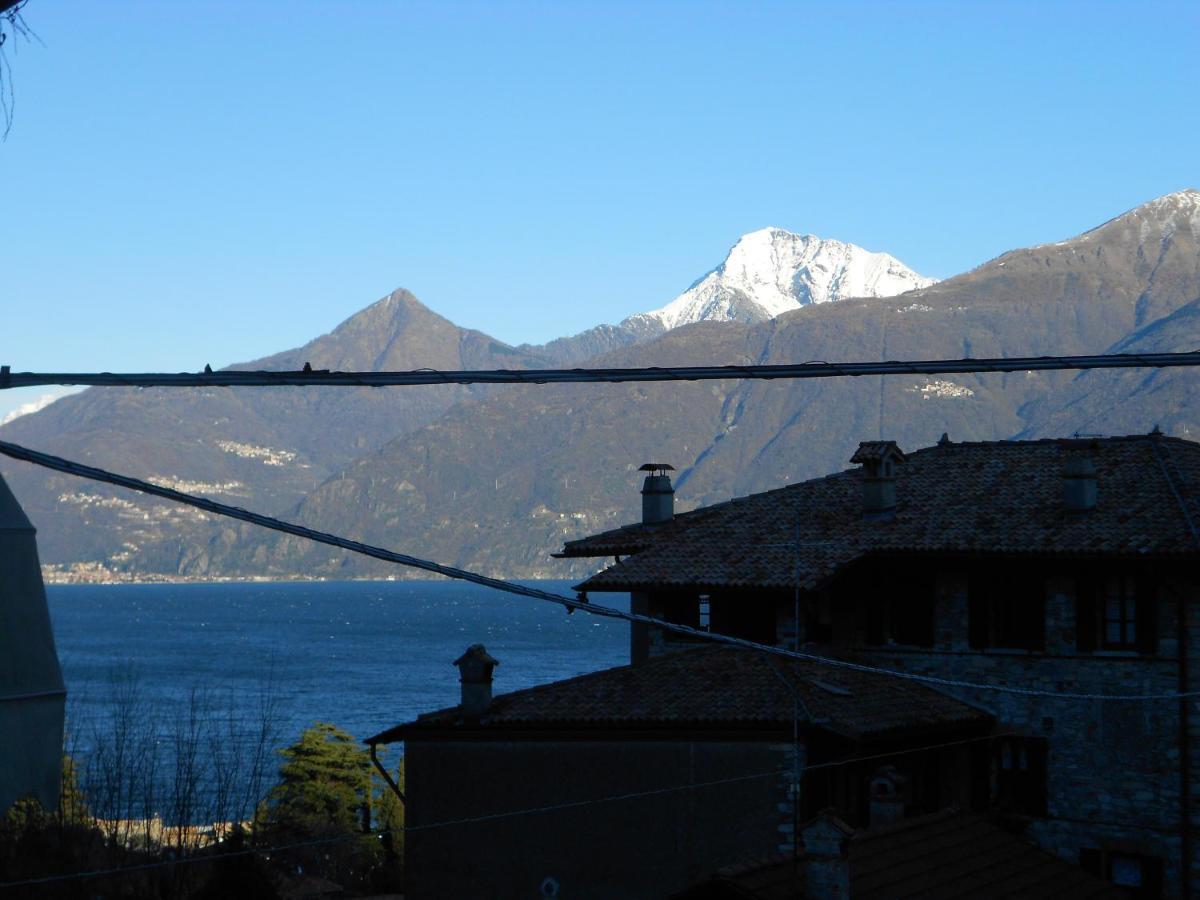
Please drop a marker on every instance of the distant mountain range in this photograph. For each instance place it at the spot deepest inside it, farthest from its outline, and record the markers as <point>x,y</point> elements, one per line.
<point>767,272</point>
<point>496,479</point>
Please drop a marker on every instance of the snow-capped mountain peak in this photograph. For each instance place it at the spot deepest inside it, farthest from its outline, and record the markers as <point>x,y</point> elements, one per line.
<point>771,271</point>
<point>1155,220</point>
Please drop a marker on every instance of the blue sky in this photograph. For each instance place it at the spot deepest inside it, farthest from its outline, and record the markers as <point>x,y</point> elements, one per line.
<point>206,182</point>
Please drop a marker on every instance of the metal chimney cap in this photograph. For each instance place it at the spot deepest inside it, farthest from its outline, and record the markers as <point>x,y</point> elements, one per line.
<point>660,468</point>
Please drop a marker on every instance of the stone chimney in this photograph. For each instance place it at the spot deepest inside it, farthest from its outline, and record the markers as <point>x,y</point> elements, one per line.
<point>879,460</point>
<point>826,857</point>
<point>1079,476</point>
<point>658,497</point>
<point>888,796</point>
<point>475,675</point>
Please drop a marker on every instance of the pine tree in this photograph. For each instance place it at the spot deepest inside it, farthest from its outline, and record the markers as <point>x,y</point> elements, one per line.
<point>323,795</point>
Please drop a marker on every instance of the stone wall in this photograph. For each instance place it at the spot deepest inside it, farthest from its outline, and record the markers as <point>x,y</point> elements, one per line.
<point>1113,767</point>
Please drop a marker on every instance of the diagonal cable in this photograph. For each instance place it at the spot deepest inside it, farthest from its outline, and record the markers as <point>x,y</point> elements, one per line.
<point>45,460</point>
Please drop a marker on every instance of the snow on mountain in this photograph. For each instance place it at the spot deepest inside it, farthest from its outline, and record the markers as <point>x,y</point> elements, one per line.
<point>1158,219</point>
<point>1155,220</point>
<point>26,409</point>
<point>771,271</point>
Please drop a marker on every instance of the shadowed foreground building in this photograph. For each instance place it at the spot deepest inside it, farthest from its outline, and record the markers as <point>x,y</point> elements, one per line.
<point>1055,567</point>
<point>32,695</point>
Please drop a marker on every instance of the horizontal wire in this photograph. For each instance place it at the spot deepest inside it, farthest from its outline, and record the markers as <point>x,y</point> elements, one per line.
<point>816,369</point>
<point>489,817</point>
<point>15,451</point>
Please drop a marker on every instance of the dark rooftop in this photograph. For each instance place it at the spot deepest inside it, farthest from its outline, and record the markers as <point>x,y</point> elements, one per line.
<point>999,497</point>
<point>943,855</point>
<point>713,687</point>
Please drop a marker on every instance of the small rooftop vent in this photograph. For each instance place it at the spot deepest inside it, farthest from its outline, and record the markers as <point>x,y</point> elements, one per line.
<point>658,496</point>
<point>879,460</point>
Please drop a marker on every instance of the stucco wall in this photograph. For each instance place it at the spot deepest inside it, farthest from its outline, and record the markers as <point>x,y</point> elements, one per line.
<point>637,847</point>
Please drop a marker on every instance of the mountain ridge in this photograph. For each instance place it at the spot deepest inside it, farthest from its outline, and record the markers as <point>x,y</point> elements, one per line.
<point>495,479</point>
<point>571,451</point>
<point>765,273</point>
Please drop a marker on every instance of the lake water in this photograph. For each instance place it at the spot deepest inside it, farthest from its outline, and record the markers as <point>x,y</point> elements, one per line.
<point>362,655</point>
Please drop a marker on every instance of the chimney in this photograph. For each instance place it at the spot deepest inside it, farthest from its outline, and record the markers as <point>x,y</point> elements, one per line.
<point>826,857</point>
<point>879,460</point>
<point>475,675</point>
<point>1079,476</point>
<point>658,497</point>
<point>888,795</point>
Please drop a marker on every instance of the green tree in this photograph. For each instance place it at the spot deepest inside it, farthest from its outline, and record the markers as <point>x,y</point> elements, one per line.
<point>389,823</point>
<point>323,798</point>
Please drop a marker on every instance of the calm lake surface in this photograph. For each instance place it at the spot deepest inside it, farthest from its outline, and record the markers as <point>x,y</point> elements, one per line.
<point>362,655</point>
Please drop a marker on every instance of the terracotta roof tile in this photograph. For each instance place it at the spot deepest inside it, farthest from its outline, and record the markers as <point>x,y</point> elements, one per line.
<point>718,686</point>
<point>944,855</point>
<point>995,497</point>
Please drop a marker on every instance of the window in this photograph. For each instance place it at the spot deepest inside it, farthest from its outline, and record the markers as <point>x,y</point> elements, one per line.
<point>818,619</point>
<point>1139,874</point>
<point>1006,611</point>
<point>900,610</point>
<point>1116,611</point>
<point>747,616</point>
<point>1119,602</point>
<point>1019,768</point>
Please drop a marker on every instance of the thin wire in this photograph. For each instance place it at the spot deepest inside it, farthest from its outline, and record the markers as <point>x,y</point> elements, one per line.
<point>58,464</point>
<point>489,817</point>
<point>818,369</point>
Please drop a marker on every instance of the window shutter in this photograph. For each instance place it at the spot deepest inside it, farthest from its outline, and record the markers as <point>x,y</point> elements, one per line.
<point>876,607</point>
<point>1086,590</point>
<point>977,614</point>
<point>1091,862</point>
<point>1147,615</point>
<point>1152,875</point>
<point>1037,636</point>
<point>1036,749</point>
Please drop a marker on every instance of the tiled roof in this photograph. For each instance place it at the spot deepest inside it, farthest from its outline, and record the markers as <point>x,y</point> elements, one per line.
<point>994,497</point>
<point>943,855</point>
<point>951,854</point>
<point>715,687</point>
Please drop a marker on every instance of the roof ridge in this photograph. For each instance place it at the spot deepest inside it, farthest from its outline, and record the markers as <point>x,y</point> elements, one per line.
<point>652,662</point>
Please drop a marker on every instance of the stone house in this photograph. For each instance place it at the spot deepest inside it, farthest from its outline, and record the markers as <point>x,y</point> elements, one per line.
<point>948,854</point>
<point>1054,567</point>
<point>1064,571</point>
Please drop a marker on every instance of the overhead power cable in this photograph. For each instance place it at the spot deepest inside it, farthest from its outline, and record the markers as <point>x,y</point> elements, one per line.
<point>15,451</point>
<point>488,817</point>
<point>812,369</point>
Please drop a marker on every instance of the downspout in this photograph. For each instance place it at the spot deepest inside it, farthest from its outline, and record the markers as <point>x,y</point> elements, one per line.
<point>391,782</point>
